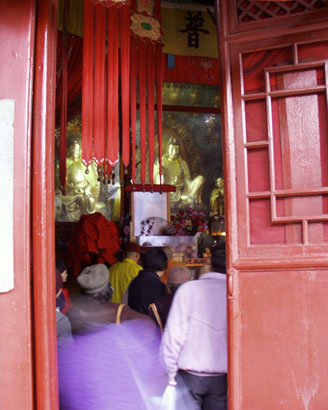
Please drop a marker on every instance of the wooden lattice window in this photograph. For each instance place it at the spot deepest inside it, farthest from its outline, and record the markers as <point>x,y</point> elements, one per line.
<point>248,10</point>
<point>285,144</point>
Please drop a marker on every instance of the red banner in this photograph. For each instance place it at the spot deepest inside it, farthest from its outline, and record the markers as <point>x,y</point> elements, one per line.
<point>112,103</point>
<point>133,106</point>
<point>99,89</point>
<point>109,106</point>
<point>124,14</point>
<point>87,85</point>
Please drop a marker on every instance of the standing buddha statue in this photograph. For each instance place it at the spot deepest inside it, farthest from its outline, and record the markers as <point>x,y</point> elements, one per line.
<point>217,198</point>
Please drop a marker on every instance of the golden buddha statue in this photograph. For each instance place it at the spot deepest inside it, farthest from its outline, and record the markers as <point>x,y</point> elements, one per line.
<point>217,198</point>
<point>85,194</point>
<point>175,171</point>
<point>78,181</point>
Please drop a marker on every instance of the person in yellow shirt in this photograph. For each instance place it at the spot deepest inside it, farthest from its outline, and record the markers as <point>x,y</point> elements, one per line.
<point>121,273</point>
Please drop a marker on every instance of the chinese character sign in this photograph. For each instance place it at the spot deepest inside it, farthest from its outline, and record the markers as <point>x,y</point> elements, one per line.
<point>189,33</point>
<point>194,27</point>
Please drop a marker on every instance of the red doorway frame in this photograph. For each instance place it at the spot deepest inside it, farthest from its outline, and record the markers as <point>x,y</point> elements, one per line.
<point>43,225</point>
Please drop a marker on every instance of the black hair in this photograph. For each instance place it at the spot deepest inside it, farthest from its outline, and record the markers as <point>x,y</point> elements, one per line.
<point>154,259</point>
<point>219,258</point>
<point>173,286</point>
<point>61,266</point>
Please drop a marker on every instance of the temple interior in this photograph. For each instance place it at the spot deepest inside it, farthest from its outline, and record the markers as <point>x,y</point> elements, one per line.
<point>170,164</point>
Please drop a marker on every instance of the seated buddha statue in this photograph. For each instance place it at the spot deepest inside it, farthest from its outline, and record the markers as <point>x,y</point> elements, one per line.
<point>81,187</point>
<point>175,171</point>
<point>84,193</point>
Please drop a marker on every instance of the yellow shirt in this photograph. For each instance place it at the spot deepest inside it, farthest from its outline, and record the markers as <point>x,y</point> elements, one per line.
<point>120,276</point>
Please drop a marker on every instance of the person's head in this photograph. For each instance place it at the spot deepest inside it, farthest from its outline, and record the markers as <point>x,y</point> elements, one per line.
<point>177,275</point>
<point>61,266</point>
<point>133,251</point>
<point>173,148</point>
<point>219,182</point>
<point>74,150</point>
<point>147,244</point>
<point>94,281</point>
<point>218,258</point>
<point>59,283</point>
<point>168,252</point>
<point>154,259</point>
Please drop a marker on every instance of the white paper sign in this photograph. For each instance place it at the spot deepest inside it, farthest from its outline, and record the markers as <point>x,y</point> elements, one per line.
<point>7,115</point>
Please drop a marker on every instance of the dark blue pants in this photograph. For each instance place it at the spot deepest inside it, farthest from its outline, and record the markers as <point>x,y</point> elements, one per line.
<point>210,392</point>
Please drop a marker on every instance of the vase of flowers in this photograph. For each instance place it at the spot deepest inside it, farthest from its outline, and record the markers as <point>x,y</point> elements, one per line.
<point>187,222</point>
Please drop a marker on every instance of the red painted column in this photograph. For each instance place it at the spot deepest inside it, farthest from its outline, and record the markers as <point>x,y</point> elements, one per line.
<point>43,207</point>
<point>17,20</point>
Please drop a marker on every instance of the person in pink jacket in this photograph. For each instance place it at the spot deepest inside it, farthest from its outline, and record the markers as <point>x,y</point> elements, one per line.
<point>194,343</point>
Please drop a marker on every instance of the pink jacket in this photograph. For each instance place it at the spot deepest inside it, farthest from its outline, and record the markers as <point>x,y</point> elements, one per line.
<point>195,335</point>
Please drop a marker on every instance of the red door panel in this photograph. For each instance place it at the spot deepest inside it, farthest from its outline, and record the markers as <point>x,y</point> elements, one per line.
<point>274,93</point>
<point>283,339</point>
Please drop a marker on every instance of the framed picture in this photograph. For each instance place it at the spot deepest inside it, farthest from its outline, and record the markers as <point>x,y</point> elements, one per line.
<point>150,213</point>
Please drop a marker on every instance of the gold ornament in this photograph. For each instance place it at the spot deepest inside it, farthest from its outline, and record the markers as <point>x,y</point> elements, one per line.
<point>144,26</point>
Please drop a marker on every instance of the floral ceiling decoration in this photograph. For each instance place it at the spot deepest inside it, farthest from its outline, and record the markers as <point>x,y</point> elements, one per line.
<point>144,26</point>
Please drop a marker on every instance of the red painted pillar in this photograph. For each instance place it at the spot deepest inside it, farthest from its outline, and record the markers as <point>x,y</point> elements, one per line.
<point>43,207</point>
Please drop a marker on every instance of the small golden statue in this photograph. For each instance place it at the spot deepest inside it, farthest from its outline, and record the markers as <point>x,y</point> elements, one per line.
<point>217,198</point>
<point>176,172</point>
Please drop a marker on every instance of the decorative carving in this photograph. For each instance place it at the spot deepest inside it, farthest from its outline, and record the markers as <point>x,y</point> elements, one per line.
<point>146,27</point>
<point>248,10</point>
<point>286,192</point>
